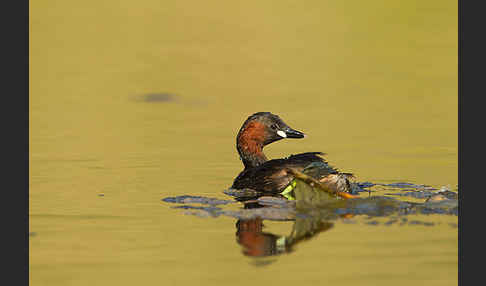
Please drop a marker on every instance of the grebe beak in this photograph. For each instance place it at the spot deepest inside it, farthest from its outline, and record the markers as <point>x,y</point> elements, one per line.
<point>290,133</point>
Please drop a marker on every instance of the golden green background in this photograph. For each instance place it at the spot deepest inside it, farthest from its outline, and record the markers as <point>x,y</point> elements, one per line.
<point>372,83</point>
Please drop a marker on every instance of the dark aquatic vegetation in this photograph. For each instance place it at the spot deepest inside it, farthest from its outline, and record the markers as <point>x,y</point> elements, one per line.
<point>197,200</point>
<point>405,185</point>
<point>363,185</point>
<point>429,195</point>
<point>413,193</point>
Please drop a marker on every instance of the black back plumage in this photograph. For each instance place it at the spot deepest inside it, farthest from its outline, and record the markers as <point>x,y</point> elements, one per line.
<point>272,177</point>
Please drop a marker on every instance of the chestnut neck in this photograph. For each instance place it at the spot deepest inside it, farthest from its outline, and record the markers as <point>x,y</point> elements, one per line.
<point>252,158</point>
<point>249,144</point>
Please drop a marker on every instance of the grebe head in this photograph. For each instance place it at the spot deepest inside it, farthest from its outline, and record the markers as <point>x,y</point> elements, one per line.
<point>260,129</point>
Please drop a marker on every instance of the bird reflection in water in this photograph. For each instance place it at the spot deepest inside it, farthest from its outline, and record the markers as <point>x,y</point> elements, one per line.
<point>257,243</point>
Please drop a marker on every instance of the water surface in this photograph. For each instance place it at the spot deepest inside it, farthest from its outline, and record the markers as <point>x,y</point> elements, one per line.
<point>132,102</point>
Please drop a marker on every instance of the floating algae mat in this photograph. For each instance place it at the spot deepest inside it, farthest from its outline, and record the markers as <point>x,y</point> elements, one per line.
<point>309,201</point>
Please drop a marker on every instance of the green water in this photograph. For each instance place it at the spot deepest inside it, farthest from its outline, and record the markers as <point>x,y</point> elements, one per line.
<point>373,84</point>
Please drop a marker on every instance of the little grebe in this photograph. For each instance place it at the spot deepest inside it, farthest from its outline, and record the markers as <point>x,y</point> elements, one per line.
<point>271,176</point>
